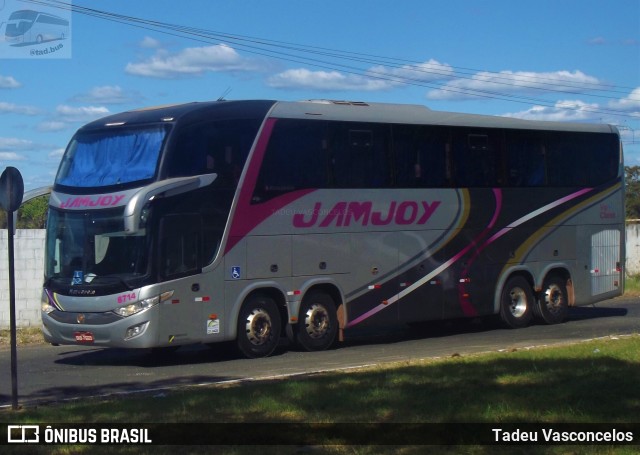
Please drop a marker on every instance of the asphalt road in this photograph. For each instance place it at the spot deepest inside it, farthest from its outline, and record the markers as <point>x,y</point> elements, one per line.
<point>49,373</point>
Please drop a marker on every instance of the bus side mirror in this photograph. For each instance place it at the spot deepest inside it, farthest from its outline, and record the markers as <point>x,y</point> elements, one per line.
<point>165,188</point>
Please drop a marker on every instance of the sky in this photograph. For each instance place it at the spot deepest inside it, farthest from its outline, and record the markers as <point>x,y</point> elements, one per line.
<point>569,60</point>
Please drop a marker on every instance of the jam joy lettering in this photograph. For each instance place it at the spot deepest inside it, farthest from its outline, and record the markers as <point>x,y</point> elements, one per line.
<point>92,201</point>
<point>361,213</point>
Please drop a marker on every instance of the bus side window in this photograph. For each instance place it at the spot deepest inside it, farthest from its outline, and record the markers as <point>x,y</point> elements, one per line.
<point>420,156</point>
<point>295,158</point>
<point>476,158</point>
<point>219,147</point>
<point>360,155</point>
<point>526,156</point>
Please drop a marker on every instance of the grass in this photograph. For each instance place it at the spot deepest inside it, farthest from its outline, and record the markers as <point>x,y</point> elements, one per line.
<point>585,383</point>
<point>24,336</point>
<point>632,286</point>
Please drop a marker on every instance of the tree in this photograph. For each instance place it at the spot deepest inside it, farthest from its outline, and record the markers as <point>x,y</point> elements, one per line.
<point>632,200</point>
<point>32,215</point>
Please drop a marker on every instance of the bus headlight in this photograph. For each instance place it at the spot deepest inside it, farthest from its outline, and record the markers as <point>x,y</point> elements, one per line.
<point>46,308</point>
<point>145,304</point>
<point>45,305</point>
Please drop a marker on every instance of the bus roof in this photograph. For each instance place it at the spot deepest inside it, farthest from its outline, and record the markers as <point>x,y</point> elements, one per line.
<point>418,114</point>
<point>337,110</point>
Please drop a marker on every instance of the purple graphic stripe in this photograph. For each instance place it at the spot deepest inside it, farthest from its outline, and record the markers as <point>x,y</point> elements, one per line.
<point>466,249</point>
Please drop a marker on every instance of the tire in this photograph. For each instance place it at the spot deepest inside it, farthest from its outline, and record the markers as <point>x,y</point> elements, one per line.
<point>553,302</point>
<point>317,325</point>
<point>516,303</point>
<point>259,327</point>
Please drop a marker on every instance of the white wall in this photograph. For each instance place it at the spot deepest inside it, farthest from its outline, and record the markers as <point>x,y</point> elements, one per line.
<point>633,247</point>
<point>29,272</point>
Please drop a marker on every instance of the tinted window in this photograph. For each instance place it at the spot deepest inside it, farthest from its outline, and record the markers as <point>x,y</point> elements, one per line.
<point>318,154</point>
<point>526,164</point>
<point>219,147</point>
<point>359,155</point>
<point>296,158</point>
<point>477,157</point>
<point>581,159</point>
<point>420,156</point>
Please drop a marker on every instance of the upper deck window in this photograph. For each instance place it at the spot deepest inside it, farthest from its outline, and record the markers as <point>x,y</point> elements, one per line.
<point>111,157</point>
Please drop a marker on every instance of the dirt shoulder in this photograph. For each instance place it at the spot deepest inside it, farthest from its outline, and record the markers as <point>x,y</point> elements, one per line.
<point>24,336</point>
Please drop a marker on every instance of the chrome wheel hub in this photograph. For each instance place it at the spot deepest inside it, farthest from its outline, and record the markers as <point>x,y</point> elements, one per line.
<point>316,321</point>
<point>518,305</point>
<point>258,327</point>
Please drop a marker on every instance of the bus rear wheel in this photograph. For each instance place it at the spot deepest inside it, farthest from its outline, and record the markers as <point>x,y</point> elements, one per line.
<point>553,302</point>
<point>516,303</point>
<point>317,325</point>
<point>259,327</point>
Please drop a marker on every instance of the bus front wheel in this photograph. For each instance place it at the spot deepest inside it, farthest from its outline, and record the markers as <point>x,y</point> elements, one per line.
<point>317,325</point>
<point>553,302</point>
<point>516,302</point>
<point>259,327</point>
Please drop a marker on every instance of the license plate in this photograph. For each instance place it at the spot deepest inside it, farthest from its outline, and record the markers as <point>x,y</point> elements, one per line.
<point>84,337</point>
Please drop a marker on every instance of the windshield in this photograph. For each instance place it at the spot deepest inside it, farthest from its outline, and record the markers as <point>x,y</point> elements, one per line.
<point>20,22</point>
<point>91,248</point>
<point>111,157</point>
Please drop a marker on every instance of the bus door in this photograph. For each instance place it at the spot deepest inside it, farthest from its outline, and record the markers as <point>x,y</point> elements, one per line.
<point>180,260</point>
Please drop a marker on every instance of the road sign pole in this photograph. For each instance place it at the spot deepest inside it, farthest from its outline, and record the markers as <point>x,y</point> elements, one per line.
<point>12,314</point>
<point>11,194</point>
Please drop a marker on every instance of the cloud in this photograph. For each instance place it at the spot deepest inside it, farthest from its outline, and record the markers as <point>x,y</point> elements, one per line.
<point>302,78</point>
<point>561,111</point>
<point>10,146</point>
<point>13,144</point>
<point>50,126</point>
<point>10,108</point>
<point>506,83</point>
<point>11,156</point>
<point>9,82</point>
<point>149,43</point>
<point>67,114</point>
<point>597,41</point>
<point>192,62</point>
<point>428,71</point>
<point>629,104</point>
<point>56,154</point>
<point>580,111</point>
<point>376,78</point>
<point>602,41</point>
<point>108,94</point>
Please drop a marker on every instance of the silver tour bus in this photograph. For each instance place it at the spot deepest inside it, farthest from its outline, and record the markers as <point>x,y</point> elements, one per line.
<point>256,220</point>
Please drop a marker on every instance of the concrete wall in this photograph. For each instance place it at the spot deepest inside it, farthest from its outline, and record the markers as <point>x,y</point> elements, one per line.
<point>29,272</point>
<point>29,260</point>
<point>633,247</point>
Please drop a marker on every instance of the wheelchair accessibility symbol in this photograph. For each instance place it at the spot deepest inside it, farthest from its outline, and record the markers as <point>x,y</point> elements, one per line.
<point>235,273</point>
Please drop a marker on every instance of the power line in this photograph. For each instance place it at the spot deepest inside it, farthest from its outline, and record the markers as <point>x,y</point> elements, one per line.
<point>316,56</point>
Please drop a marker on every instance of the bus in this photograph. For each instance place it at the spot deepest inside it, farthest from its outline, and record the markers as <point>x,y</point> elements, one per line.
<point>28,26</point>
<point>257,221</point>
